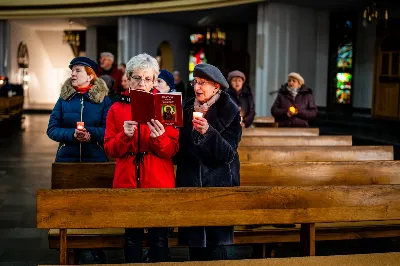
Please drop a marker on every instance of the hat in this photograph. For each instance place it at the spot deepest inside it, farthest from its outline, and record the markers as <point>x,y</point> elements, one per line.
<point>236,73</point>
<point>168,78</point>
<point>210,72</point>
<point>84,61</point>
<point>296,76</point>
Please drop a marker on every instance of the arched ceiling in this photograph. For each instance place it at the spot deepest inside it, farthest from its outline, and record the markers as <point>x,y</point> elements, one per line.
<point>18,9</point>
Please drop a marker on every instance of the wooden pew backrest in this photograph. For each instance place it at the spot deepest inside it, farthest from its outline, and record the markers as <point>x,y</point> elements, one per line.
<point>278,131</point>
<point>268,141</point>
<point>315,153</point>
<point>320,173</point>
<point>143,208</point>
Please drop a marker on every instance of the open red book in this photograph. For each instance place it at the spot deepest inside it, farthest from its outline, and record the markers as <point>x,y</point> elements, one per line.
<point>164,107</point>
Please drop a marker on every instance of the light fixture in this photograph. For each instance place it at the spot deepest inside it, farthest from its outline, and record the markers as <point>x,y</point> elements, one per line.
<point>72,39</point>
<point>372,14</point>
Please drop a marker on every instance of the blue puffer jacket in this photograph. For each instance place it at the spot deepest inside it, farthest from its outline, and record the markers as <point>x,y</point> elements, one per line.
<point>91,108</point>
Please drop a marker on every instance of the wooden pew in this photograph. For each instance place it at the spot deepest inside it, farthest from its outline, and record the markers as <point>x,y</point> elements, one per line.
<point>346,260</point>
<point>315,153</point>
<point>268,141</point>
<point>279,131</point>
<point>264,121</point>
<point>183,207</point>
<point>89,175</point>
<point>100,175</point>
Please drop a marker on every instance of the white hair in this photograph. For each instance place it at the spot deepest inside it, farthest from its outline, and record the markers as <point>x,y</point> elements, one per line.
<point>107,54</point>
<point>141,62</point>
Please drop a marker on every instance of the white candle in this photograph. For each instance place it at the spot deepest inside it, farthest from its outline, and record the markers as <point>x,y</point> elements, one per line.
<point>197,114</point>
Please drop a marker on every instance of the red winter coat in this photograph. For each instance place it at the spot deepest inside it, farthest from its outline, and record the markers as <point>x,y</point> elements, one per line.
<point>156,170</point>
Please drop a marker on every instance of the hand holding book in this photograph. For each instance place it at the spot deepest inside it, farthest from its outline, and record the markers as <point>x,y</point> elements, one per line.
<point>156,128</point>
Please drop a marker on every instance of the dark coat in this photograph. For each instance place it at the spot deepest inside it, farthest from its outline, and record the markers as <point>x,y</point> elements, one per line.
<point>116,74</point>
<point>92,107</point>
<point>209,161</point>
<point>304,102</point>
<point>244,99</point>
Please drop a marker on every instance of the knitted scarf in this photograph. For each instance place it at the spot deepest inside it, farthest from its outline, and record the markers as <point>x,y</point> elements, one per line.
<point>198,107</point>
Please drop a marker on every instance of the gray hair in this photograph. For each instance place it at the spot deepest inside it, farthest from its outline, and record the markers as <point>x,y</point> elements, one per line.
<point>141,62</point>
<point>107,54</point>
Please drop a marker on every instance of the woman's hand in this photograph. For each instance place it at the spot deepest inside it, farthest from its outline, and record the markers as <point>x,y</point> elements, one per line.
<point>82,135</point>
<point>130,128</point>
<point>201,125</point>
<point>156,128</point>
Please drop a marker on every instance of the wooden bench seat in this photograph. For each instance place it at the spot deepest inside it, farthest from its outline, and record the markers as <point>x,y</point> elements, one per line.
<point>113,238</point>
<point>277,131</point>
<point>268,141</point>
<point>315,153</point>
<point>185,207</point>
<point>384,259</point>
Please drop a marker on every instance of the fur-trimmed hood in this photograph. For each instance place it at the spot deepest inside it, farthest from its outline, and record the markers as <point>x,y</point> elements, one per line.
<point>97,93</point>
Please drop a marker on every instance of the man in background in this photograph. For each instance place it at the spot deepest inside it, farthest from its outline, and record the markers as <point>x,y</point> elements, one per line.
<point>107,68</point>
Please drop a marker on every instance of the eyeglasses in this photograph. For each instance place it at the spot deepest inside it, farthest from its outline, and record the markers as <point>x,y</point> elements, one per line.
<point>138,79</point>
<point>201,83</point>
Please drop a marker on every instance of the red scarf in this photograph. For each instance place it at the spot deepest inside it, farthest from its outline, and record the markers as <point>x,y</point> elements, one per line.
<point>84,90</point>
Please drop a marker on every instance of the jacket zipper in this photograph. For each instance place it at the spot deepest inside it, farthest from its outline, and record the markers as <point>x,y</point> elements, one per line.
<point>80,143</point>
<point>59,149</point>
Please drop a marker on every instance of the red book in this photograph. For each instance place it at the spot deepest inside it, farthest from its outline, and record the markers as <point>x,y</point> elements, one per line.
<point>164,107</point>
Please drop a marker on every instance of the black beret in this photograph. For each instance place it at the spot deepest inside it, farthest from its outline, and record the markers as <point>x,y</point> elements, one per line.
<point>212,73</point>
<point>84,61</point>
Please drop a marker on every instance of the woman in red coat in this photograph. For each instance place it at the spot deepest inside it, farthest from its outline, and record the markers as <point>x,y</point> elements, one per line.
<point>153,161</point>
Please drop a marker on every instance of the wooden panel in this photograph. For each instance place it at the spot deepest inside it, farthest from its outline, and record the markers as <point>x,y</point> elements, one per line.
<point>82,175</point>
<point>386,99</point>
<point>280,131</point>
<point>320,173</point>
<point>127,208</point>
<point>315,153</point>
<point>296,141</point>
<point>345,260</point>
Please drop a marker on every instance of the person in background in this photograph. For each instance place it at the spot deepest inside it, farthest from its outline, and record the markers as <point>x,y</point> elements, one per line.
<point>179,85</point>
<point>110,85</point>
<point>208,155</point>
<point>124,83</point>
<point>149,167</point>
<point>165,82</point>
<point>242,96</point>
<point>294,105</point>
<point>122,67</point>
<point>107,68</point>
<point>83,98</point>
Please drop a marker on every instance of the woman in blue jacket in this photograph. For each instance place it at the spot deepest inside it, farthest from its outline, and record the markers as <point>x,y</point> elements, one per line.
<point>84,99</point>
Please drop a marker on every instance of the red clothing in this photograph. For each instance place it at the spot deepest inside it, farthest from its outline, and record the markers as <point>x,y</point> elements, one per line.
<point>156,170</point>
<point>115,73</point>
<point>84,90</point>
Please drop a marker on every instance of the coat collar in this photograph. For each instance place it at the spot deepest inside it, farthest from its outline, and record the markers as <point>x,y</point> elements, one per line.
<point>303,89</point>
<point>96,94</point>
<point>221,113</point>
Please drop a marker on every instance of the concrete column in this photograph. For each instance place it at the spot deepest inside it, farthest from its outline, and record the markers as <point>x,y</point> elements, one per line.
<point>4,46</point>
<point>91,43</point>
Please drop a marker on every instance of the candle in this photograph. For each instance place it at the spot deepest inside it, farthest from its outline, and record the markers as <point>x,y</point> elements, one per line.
<point>292,109</point>
<point>80,125</point>
<point>197,114</point>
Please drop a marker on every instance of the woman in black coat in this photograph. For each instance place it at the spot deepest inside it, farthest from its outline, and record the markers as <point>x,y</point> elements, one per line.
<point>242,96</point>
<point>208,155</point>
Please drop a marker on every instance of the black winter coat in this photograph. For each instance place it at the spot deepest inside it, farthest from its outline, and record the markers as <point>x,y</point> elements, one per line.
<point>209,161</point>
<point>245,100</point>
